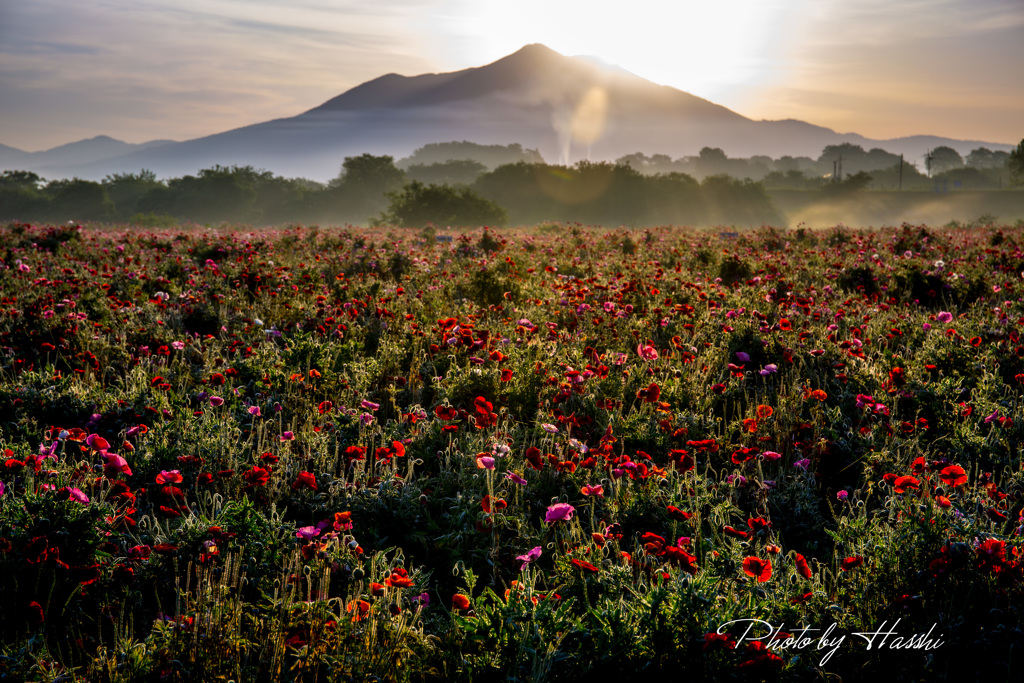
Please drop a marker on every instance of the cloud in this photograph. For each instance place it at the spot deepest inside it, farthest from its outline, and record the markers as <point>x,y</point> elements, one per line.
<point>142,69</point>
<point>888,68</point>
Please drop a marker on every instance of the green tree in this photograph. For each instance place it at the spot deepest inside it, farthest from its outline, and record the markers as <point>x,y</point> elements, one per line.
<point>361,189</point>
<point>451,172</point>
<point>417,204</point>
<point>20,180</point>
<point>981,157</point>
<point>942,159</point>
<point>848,185</point>
<point>126,189</point>
<point>737,202</point>
<point>20,196</point>
<point>1015,164</point>
<point>78,200</point>
<point>216,194</point>
<point>712,161</point>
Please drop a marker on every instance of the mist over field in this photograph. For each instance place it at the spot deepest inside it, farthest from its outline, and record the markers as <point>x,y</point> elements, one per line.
<point>467,185</point>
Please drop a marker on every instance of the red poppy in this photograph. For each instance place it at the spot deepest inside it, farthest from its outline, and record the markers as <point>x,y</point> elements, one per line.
<point>743,455</point>
<point>446,413</point>
<point>802,568</point>
<point>785,325</point>
<point>305,480</point>
<point>764,412</point>
<point>718,641</point>
<point>758,524</point>
<point>757,568</point>
<point>682,460</point>
<point>491,504</point>
<point>35,612</point>
<point>399,578</point>
<point>506,375</point>
<point>460,602</point>
<point>355,453</point>
<point>905,483</point>
<point>848,563</point>
<point>680,558</point>
<point>954,475</point>
<point>653,543</point>
<point>584,565</point>
<point>975,341</point>
<point>677,514</point>
<point>534,458</point>
<point>760,657</point>
<point>650,394</point>
<point>257,476</point>
<point>359,609</point>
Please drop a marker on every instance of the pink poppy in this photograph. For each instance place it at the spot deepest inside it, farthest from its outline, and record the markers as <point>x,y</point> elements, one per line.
<point>78,495</point>
<point>647,352</point>
<point>559,512</point>
<point>529,557</point>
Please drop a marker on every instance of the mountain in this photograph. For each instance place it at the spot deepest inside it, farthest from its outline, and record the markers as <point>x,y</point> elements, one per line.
<point>74,154</point>
<point>568,108</point>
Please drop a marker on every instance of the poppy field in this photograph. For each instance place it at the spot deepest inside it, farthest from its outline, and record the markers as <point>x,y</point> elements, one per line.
<point>539,454</point>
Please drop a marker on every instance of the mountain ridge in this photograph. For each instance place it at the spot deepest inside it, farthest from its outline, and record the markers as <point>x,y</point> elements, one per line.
<point>568,108</point>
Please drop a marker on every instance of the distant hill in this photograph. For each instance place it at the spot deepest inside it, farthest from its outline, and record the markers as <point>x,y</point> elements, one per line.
<point>565,108</point>
<point>74,154</point>
<point>491,156</point>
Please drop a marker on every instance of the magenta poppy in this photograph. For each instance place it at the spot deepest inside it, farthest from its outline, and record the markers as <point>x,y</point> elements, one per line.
<point>559,512</point>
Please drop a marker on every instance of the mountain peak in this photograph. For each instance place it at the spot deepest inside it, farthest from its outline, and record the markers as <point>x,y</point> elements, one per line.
<point>534,73</point>
<point>534,51</point>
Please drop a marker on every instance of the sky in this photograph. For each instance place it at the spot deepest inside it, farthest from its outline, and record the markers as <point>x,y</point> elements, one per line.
<point>140,70</point>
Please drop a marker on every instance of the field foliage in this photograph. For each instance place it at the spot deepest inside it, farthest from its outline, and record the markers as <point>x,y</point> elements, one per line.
<point>547,454</point>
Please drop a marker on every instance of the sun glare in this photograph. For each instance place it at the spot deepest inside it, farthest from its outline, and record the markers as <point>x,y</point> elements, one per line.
<point>703,48</point>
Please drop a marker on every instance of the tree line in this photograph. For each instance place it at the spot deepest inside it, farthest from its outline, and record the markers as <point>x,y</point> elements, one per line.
<point>634,190</point>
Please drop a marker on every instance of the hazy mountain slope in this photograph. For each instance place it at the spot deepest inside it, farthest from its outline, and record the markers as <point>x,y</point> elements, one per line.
<point>568,108</point>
